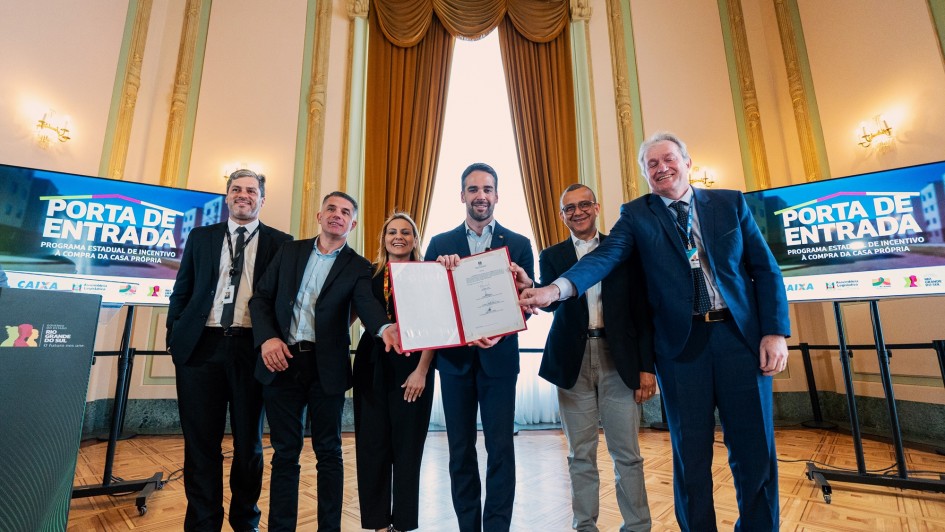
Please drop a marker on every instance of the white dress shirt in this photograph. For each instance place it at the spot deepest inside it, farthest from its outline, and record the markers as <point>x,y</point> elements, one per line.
<point>241,308</point>
<point>595,312</point>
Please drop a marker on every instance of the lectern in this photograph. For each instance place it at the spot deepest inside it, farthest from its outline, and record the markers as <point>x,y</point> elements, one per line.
<point>46,349</point>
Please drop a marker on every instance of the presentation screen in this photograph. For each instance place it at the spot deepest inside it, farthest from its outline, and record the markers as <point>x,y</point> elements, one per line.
<point>117,239</point>
<point>862,237</point>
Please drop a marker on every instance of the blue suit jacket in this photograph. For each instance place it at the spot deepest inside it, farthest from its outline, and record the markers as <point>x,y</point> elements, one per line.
<point>500,360</point>
<point>744,268</point>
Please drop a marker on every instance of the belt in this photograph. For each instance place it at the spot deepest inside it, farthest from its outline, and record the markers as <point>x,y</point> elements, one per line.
<point>232,331</point>
<point>303,346</point>
<point>596,333</point>
<point>722,314</point>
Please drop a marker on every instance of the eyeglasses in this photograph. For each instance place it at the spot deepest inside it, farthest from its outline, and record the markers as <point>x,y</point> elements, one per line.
<point>584,206</point>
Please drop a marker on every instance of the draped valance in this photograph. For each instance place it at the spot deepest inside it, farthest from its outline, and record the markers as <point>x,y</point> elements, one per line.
<point>409,60</point>
<point>405,22</point>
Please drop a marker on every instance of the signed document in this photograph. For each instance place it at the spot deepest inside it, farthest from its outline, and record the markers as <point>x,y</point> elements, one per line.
<point>439,308</point>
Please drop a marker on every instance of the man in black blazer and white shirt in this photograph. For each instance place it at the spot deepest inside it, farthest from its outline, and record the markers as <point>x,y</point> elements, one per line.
<point>209,337</point>
<point>301,315</point>
<point>599,354</point>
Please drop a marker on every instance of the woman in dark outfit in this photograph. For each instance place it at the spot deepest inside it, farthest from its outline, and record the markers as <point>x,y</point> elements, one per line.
<point>391,410</point>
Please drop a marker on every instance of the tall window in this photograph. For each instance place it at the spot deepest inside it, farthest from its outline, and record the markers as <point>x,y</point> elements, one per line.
<point>478,128</point>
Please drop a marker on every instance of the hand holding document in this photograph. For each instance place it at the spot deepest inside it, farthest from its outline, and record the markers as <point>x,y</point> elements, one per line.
<point>438,308</point>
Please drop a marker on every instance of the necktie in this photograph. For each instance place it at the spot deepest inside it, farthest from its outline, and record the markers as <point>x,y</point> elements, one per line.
<point>700,303</point>
<point>236,273</point>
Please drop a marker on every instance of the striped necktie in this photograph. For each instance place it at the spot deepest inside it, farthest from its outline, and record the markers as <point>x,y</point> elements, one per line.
<point>700,303</point>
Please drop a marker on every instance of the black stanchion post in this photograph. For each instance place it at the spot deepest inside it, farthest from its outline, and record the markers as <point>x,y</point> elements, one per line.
<point>118,405</point>
<point>122,435</point>
<point>661,425</point>
<point>818,422</point>
<point>939,346</point>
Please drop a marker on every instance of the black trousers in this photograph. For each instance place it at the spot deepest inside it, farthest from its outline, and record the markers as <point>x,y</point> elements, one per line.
<point>217,378</point>
<point>494,397</point>
<point>390,433</point>
<point>286,401</point>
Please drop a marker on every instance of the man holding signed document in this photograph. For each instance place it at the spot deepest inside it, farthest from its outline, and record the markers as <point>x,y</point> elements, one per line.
<point>478,352</point>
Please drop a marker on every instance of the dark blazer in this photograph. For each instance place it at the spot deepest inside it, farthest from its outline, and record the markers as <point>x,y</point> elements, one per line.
<point>500,360</point>
<point>348,281</point>
<point>196,284</point>
<point>370,348</point>
<point>744,268</point>
<point>627,321</point>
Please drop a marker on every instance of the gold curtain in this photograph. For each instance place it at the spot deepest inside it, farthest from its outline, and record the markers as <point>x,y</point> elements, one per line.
<point>406,105</point>
<point>541,98</point>
<point>407,97</point>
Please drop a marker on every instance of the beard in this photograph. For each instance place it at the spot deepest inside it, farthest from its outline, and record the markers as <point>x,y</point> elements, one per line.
<point>243,212</point>
<point>475,215</point>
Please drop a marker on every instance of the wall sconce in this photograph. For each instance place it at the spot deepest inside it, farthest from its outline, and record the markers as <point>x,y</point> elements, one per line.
<point>705,180</point>
<point>229,168</point>
<point>880,133</point>
<point>47,124</point>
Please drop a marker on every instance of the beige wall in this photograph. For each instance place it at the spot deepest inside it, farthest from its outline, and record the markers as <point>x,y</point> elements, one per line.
<point>249,98</point>
<point>866,58</point>
<point>684,84</point>
<point>872,58</point>
<point>54,55</point>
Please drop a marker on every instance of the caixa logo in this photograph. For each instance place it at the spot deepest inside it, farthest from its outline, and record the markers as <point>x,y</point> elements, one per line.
<point>38,285</point>
<point>798,287</point>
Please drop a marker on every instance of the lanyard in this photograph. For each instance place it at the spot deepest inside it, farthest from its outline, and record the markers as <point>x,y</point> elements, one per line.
<point>236,263</point>
<point>387,291</point>
<point>688,229</point>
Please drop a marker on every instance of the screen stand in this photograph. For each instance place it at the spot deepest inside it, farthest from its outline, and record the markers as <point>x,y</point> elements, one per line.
<point>142,488</point>
<point>118,410</point>
<point>900,479</point>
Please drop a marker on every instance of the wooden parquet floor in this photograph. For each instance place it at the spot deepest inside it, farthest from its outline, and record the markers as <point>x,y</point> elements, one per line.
<point>542,499</point>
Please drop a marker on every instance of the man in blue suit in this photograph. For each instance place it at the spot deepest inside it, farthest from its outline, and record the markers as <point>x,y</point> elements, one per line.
<point>482,374</point>
<point>720,321</point>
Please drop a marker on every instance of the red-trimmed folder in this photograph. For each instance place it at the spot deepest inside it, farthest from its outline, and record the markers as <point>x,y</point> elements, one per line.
<point>438,308</point>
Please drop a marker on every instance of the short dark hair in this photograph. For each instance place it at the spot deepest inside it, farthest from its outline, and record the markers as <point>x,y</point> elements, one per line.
<point>342,195</point>
<point>243,172</point>
<point>481,167</point>
<point>572,188</point>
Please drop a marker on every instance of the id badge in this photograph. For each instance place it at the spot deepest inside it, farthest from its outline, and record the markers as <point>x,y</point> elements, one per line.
<point>693,256</point>
<point>228,294</point>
